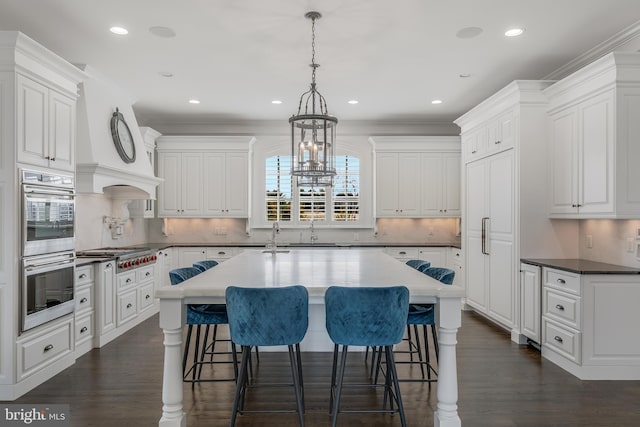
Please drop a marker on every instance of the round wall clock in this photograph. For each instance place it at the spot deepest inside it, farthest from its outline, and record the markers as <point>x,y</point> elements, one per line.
<point>122,137</point>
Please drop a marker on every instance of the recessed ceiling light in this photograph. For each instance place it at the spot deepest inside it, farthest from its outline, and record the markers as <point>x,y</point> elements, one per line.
<point>353,101</point>
<point>276,101</point>
<point>469,32</point>
<point>464,75</point>
<point>514,32</point>
<point>436,101</point>
<point>166,73</point>
<point>162,32</point>
<point>119,31</point>
<point>194,101</point>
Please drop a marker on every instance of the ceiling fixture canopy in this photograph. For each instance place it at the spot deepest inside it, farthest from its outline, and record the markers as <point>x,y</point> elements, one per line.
<point>313,130</point>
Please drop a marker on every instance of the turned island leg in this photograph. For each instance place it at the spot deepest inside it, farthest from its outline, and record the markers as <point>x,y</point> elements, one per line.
<point>449,320</point>
<point>171,312</point>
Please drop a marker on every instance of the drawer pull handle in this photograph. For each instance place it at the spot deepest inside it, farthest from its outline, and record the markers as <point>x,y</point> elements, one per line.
<point>148,274</point>
<point>108,265</point>
<point>129,305</point>
<point>560,307</point>
<point>561,281</point>
<point>83,300</point>
<point>402,253</point>
<point>497,142</point>
<point>474,151</point>
<point>82,276</point>
<point>83,330</point>
<point>128,281</point>
<point>147,297</point>
<point>49,347</point>
<point>557,338</point>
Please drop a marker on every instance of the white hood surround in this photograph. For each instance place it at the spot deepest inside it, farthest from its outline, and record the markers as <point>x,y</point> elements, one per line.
<point>99,168</point>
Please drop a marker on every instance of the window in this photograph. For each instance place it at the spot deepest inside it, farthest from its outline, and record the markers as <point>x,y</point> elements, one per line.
<point>288,202</point>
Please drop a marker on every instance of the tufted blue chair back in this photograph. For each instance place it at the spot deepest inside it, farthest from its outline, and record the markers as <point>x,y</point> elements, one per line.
<point>267,316</point>
<point>418,263</point>
<point>368,316</point>
<point>205,265</point>
<point>444,275</point>
<point>179,275</point>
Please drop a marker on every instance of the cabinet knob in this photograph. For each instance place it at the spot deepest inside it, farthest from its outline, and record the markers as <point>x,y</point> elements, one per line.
<point>474,151</point>
<point>559,339</point>
<point>497,142</point>
<point>128,281</point>
<point>560,307</point>
<point>48,348</point>
<point>148,274</point>
<point>129,305</point>
<point>53,159</point>
<point>147,297</point>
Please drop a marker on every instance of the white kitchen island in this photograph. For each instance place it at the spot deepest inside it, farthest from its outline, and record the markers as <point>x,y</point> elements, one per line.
<point>316,269</point>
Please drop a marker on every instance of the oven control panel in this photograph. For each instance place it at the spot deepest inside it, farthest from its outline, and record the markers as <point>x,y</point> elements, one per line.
<point>135,262</point>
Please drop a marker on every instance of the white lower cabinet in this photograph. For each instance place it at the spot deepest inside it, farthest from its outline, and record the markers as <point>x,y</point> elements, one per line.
<point>530,302</point>
<point>590,324</point>
<point>84,309</point>
<point>455,262</point>
<point>46,346</point>
<point>127,306</point>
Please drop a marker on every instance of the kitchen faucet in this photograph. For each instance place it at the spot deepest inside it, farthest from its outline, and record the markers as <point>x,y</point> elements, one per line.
<point>273,243</point>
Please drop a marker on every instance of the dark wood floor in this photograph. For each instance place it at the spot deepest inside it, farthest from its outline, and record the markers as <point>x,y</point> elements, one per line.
<point>501,385</point>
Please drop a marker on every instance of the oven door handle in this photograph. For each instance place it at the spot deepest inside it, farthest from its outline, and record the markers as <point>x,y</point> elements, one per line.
<point>47,265</point>
<point>29,189</point>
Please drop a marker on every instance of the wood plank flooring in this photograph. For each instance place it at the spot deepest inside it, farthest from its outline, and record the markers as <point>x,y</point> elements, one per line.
<point>501,385</point>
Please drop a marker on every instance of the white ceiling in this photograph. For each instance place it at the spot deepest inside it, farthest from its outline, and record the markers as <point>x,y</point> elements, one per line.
<point>236,56</point>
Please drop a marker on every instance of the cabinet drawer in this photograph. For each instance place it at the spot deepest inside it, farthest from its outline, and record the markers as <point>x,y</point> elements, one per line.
<point>42,349</point>
<point>84,274</point>
<point>126,280</point>
<point>562,280</point>
<point>84,299</point>
<point>561,339</point>
<point>127,306</point>
<point>146,296</point>
<point>561,307</point>
<point>145,273</point>
<point>84,327</point>
<point>219,254</point>
<point>403,253</point>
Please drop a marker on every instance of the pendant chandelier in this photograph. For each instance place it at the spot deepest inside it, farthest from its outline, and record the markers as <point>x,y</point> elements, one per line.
<point>313,130</point>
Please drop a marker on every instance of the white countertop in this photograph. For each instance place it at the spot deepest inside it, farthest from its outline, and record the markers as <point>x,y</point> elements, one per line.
<point>316,269</point>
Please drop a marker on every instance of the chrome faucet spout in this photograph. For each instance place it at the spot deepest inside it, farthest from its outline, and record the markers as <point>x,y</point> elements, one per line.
<point>273,243</point>
<point>314,237</point>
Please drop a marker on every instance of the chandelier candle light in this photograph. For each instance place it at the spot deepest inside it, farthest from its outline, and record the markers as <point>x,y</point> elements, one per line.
<point>313,130</point>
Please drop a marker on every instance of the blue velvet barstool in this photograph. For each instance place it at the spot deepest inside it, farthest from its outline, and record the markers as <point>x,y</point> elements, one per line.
<point>367,316</point>
<point>424,314</point>
<point>198,315</point>
<point>418,263</point>
<point>205,264</point>
<point>268,317</point>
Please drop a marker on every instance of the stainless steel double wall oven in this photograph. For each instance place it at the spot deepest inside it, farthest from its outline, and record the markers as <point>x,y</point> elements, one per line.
<point>48,247</point>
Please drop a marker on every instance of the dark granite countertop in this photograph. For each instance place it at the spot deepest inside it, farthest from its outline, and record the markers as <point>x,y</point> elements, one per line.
<point>83,260</point>
<point>159,246</point>
<point>581,266</point>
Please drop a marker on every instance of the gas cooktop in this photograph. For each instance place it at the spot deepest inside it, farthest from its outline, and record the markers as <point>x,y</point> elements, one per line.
<point>126,258</point>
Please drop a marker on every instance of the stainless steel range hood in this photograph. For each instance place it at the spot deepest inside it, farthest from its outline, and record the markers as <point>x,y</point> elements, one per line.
<point>99,168</point>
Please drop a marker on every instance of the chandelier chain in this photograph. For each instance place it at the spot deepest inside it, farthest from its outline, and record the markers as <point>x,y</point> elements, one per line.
<point>313,51</point>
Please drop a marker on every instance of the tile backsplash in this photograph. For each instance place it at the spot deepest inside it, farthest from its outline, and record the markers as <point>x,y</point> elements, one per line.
<point>611,241</point>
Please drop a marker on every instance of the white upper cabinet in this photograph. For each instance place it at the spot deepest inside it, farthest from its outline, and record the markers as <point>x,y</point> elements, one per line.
<point>46,126</point>
<point>593,140</point>
<point>204,177</point>
<point>417,176</point>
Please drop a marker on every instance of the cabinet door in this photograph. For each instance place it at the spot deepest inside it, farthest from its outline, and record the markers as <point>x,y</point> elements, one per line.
<point>190,255</point>
<point>500,232</point>
<point>475,259</point>
<point>192,185</point>
<point>530,308</point>
<point>32,122</point>
<point>596,154</point>
<point>169,191</point>
<point>408,184</point>
<point>432,177</point>
<point>214,184</point>
<point>106,306</point>
<point>62,128</point>
<point>237,185</point>
<point>564,163</point>
<point>436,256</point>
<point>451,184</point>
<point>387,185</point>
